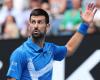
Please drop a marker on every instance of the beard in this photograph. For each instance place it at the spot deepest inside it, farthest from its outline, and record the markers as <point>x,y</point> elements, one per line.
<point>36,34</point>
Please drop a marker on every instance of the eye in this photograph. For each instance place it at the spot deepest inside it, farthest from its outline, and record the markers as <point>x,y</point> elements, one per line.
<point>33,21</point>
<point>41,21</point>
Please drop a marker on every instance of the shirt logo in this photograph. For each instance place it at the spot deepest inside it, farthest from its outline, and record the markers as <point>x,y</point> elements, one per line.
<point>36,74</point>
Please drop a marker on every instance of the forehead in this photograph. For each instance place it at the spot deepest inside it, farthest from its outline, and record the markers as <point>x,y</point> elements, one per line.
<point>37,17</point>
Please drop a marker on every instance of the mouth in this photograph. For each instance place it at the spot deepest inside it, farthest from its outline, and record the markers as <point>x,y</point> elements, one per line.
<point>36,32</point>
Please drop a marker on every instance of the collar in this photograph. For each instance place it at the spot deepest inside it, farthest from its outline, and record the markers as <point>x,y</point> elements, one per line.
<point>33,45</point>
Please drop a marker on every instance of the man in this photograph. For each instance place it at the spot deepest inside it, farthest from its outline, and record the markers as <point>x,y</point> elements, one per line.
<point>33,59</point>
<point>9,10</point>
<point>25,15</point>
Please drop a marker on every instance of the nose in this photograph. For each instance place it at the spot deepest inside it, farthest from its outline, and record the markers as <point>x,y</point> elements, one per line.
<point>36,25</point>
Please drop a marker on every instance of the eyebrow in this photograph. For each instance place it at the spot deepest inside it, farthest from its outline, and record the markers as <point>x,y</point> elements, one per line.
<point>38,20</point>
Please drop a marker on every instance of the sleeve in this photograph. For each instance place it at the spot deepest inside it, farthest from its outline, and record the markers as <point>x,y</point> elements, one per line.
<point>59,52</point>
<point>15,67</point>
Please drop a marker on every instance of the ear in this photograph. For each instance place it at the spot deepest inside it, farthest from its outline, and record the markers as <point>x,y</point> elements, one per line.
<point>48,28</point>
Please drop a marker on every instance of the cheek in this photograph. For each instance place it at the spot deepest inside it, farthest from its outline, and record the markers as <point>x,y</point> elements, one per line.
<point>31,28</point>
<point>42,28</point>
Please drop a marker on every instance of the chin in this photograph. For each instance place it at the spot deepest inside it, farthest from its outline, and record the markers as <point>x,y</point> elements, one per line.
<point>36,36</point>
<point>40,35</point>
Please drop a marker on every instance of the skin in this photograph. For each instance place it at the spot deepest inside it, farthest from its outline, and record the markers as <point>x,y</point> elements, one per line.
<point>76,4</point>
<point>9,4</point>
<point>38,27</point>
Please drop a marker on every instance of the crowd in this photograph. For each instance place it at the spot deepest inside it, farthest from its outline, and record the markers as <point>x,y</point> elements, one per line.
<point>64,17</point>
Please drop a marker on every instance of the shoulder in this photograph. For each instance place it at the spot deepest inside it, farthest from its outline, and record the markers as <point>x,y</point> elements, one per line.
<point>51,45</point>
<point>56,46</point>
<point>18,52</point>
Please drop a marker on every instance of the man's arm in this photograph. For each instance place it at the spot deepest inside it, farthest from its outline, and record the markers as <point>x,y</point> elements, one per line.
<point>73,43</point>
<point>87,18</point>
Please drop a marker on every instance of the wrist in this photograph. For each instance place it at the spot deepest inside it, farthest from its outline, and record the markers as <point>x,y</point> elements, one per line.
<point>83,28</point>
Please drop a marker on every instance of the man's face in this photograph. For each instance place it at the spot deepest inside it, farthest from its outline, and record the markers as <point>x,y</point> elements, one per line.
<point>38,26</point>
<point>9,4</point>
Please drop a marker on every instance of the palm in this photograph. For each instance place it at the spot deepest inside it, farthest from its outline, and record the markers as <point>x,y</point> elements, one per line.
<point>89,13</point>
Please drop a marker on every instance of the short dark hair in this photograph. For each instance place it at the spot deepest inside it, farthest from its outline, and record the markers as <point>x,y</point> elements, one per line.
<point>40,12</point>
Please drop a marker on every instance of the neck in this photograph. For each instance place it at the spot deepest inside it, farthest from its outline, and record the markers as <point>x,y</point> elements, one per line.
<point>39,41</point>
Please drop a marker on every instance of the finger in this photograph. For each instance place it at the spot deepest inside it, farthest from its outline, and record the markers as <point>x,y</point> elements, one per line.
<point>89,5</point>
<point>94,12</point>
<point>93,7</point>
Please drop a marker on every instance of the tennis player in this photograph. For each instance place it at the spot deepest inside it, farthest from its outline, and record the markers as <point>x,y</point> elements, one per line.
<point>33,59</point>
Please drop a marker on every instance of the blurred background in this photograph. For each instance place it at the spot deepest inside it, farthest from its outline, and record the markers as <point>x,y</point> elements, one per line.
<point>64,16</point>
<point>64,19</point>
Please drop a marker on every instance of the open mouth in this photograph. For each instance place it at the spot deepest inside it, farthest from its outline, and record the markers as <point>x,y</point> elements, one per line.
<point>36,31</point>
